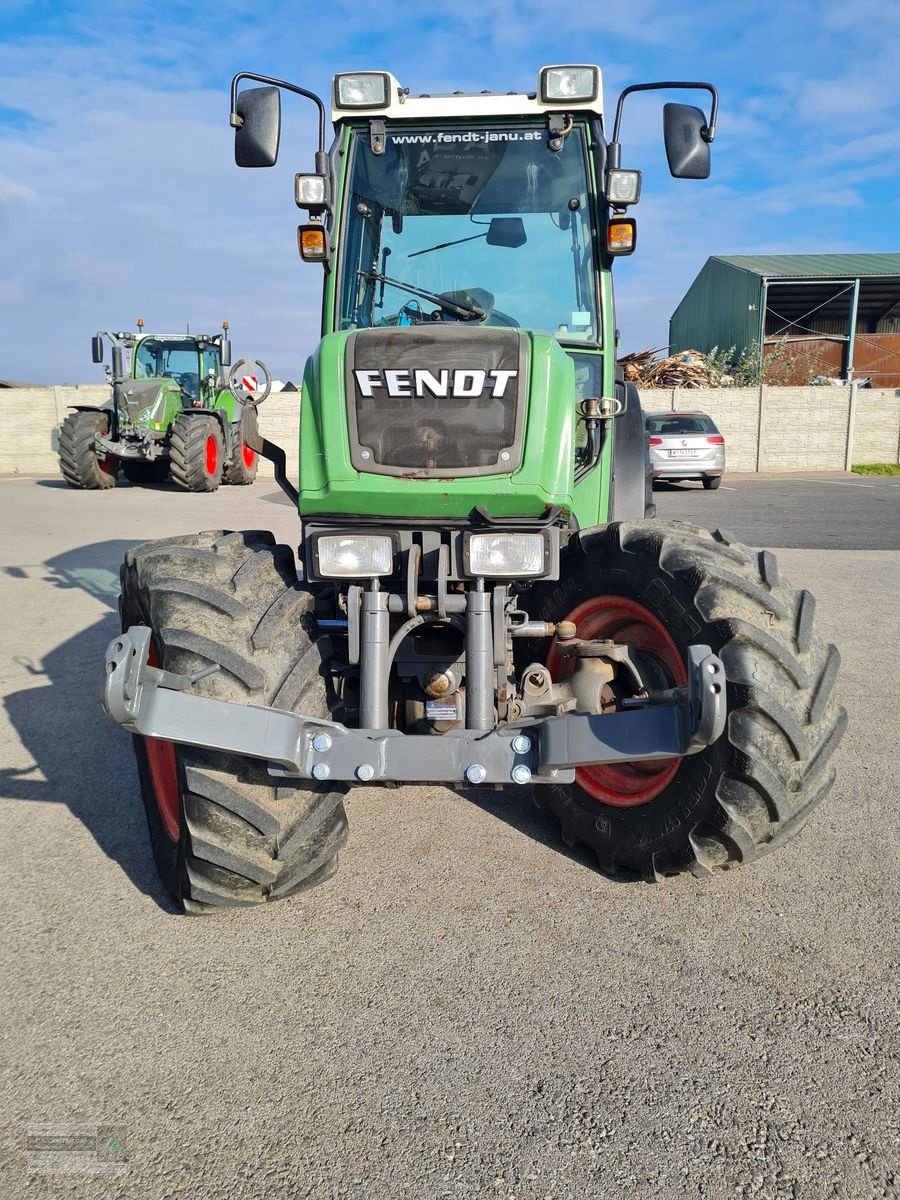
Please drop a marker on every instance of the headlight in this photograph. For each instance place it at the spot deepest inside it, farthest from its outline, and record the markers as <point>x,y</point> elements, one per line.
<point>505,554</point>
<point>369,89</point>
<point>355,555</point>
<point>153,412</point>
<point>561,84</point>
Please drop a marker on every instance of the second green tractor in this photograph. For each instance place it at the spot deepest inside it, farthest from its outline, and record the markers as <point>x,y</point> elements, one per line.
<point>175,410</point>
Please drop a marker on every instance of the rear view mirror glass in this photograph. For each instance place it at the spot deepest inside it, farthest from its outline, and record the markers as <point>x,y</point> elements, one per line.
<point>225,352</point>
<point>256,142</point>
<point>97,348</point>
<point>686,149</point>
<point>507,231</point>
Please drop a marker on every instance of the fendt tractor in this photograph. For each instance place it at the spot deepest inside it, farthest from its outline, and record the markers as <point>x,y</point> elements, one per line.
<point>172,410</point>
<point>483,597</point>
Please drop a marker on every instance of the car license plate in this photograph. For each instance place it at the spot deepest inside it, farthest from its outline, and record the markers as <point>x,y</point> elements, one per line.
<point>682,453</point>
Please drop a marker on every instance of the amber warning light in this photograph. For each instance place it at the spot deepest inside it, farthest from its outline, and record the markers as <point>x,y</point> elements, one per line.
<point>311,243</point>
<point>621,235</point>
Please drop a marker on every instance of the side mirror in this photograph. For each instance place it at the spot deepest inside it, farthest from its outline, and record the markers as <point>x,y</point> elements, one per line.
<point>686,134</point>
<point>97,348</point>
<point>225,352</point>
<point>257,139</point>
<point>507,231</point>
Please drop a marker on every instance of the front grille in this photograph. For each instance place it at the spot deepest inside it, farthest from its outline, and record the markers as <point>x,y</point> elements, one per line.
<point>436,401</point>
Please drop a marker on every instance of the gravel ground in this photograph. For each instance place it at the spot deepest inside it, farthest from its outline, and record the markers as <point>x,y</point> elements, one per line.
<point>467,1009</point>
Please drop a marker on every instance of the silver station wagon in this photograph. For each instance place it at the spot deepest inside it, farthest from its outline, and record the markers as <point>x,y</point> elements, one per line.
<point>685,445</point>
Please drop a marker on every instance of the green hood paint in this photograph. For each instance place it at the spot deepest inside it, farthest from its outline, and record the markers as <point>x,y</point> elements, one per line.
<point>330,484</point>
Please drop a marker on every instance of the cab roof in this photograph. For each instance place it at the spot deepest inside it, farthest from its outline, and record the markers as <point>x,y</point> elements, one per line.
<point>462,105</point>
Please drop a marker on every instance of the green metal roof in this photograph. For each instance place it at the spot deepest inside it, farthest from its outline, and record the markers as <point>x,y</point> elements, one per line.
<point>821,266</point>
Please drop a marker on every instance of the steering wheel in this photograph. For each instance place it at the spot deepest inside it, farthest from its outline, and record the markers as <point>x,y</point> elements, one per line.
<point>485,301</point>
<point>243,371</point>
<point>496,317</point>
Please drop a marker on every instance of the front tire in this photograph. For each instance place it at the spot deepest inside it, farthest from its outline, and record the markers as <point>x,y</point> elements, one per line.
<point>757,785</point>
<point>79,462</point>
<point>197,453</point>
<point>244,462</point>
<point>223,832</point>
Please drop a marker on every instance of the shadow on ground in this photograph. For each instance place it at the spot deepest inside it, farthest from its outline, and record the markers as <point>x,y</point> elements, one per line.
<point>79,758</point>
<point>516,808</point>
<point>82,760</point>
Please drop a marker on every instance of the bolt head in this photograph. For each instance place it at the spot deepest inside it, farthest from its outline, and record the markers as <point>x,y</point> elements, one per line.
<point>521,774</point>
<point>521,744</point>
<point>322,742</point>
<point>321,771</point>
<point>365,772</point>
<point>476,773</point>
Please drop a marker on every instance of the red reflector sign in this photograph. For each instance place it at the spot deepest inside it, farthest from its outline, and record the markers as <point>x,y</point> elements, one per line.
<point>248,383</point>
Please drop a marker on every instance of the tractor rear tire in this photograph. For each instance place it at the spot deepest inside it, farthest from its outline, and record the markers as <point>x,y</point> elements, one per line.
<point>79,462</point>
<point>244,463</point>
<point>137,470</point>
<point>670,585</point>
<point>197,452</point>
<point>224,833</point>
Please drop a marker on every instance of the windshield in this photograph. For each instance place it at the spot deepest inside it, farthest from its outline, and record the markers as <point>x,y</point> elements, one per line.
<point>482,225</point>
<point>172,359</point>
<point>681,423</point>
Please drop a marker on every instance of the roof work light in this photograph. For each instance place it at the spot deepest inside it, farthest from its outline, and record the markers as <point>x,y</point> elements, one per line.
<point>562,85</point>
<point>366,89</point>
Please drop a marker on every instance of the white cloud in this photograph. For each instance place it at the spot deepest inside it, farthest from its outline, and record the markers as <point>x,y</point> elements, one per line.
<point>14,192</point>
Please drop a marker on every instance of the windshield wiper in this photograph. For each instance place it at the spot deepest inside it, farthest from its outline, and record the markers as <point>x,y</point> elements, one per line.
<point>464,311</point>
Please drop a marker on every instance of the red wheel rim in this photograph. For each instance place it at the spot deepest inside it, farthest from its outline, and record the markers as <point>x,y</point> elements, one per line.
<point>249,455</point>
<point>624,785</point>
<point>107,465</point>
<point>164,773</point>
<point>212,455</point>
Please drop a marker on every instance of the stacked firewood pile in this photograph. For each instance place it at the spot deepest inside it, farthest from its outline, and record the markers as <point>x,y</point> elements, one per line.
<point>686,369</point>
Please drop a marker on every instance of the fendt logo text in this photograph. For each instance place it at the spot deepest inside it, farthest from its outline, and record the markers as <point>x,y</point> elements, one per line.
<point>460,384</point>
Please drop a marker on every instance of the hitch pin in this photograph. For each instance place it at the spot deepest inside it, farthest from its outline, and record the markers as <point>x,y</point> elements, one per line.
<point>212,669</point>
<point>181,683</point>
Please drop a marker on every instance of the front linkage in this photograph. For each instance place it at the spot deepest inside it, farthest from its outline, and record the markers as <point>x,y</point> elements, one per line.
<point>668,724</point>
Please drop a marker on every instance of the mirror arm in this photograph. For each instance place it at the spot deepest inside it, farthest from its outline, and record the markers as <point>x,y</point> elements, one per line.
<point>236,121</point>
<point>709,132</point>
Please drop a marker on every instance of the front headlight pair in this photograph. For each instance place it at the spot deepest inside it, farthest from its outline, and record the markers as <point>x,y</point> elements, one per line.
<point>488,555</point>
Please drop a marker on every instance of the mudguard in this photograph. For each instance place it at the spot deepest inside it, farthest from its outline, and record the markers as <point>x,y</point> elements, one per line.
<point>632,479</point>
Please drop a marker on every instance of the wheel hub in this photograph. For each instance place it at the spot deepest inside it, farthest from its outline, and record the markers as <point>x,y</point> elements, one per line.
<point>620,619</point>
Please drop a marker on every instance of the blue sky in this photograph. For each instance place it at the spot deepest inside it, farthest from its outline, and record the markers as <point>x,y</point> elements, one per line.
<point>119,196</point>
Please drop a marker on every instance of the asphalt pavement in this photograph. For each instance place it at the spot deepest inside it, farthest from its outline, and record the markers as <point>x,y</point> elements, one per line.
<point>467,1009</point>
<point>825,511</point>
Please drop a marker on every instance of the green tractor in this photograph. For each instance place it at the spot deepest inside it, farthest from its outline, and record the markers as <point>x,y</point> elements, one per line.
<point>173,410</point>
<point>483,597</point>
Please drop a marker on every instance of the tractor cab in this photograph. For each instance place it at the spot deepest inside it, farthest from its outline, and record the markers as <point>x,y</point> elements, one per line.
<point>193,363</point>
<point>181,360</point>
<point>475,223</point>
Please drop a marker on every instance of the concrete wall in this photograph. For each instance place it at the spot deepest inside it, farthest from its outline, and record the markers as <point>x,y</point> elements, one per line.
<point>798,429</point>
<point>803,429</point>
<point>29,415</point>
